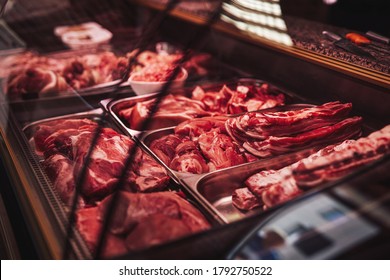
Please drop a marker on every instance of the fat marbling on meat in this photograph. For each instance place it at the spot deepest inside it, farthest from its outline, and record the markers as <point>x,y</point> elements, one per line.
<point>272,187</point>
<point>68,141</point>
<point>141,220</point>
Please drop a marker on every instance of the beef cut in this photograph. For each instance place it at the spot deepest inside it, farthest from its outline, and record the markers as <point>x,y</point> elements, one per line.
<point>223,141</point>
<point>272,187</point>
<point>174,109</point>
<point>64,145</point>
<point>140,221</point>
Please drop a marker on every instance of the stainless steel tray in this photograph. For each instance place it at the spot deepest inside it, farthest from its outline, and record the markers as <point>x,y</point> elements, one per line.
<point>53,197</point>
<point>215,189</point>
<point>113,106</point>
<point>145,138</point>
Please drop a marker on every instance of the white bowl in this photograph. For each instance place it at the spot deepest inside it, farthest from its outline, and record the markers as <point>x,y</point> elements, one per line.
<point>61,30</point>
<point>88,38</point>
<point>144,87</point>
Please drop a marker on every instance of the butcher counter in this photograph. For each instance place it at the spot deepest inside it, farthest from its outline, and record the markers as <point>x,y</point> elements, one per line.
<point>277,130</point>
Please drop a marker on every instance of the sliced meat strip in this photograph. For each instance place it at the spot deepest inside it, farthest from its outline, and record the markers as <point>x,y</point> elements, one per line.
<point>342,130</point>
<point>284,123</point>
<point>345,158</point>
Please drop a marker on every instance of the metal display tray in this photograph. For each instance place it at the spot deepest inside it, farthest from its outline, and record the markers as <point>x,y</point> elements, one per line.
<point>113,106</point>
<point>214,189</point>
<point>59,206</point>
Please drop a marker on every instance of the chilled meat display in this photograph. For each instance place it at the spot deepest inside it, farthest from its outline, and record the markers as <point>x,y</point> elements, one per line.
<point>64,145</point>
<point>41,75</point>
<point>272,187</point>
<point>140,221</point>
<point>213,143</point>
<point>174,109</point>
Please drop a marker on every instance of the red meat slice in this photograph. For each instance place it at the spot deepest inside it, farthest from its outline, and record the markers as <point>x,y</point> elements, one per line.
<point>262,125</point>
<point>90,228</point>
<point>172,110</point>
<point>154,230</point>
<point>134,208</point>
<point>60,171</point>
<point>194,128</point>
<point>244,199</point>
<point>188,159</point>
<point>43,131</point>
<point>220,150</point>
<point>342,130</point>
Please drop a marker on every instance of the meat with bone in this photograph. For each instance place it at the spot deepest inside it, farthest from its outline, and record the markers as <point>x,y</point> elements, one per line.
<point>184,152</point>
<point>71,145</point>
<point>140,221</point>
<point>333,162</point>
<point>172,111</point>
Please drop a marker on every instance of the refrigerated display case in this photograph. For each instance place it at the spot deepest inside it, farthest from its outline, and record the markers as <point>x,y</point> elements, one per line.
<point>267,50</point>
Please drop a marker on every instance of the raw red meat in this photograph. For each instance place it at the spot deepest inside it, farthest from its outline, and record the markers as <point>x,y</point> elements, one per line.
<point>220,150</point>
<point>140,221</point>
<point>188,159</point>
<point>165,147</point>
<point>134,208</point>
<point>106,162</point>
<point>175,109</point>
<point>44,130</point>
<point>90,229</point>
<point>244,199</point>
<point>333,162</point>
<point>338,132</point>
<point>196,127</point>
<point>260,126</point>
<point>34,82</point>
<point>250,98</point>
<point>214,101</point>
<point>172,110</point>
<point>60,171</point>
<point>345,158</point>
<point>154,230</point>
<point>242,99</point>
